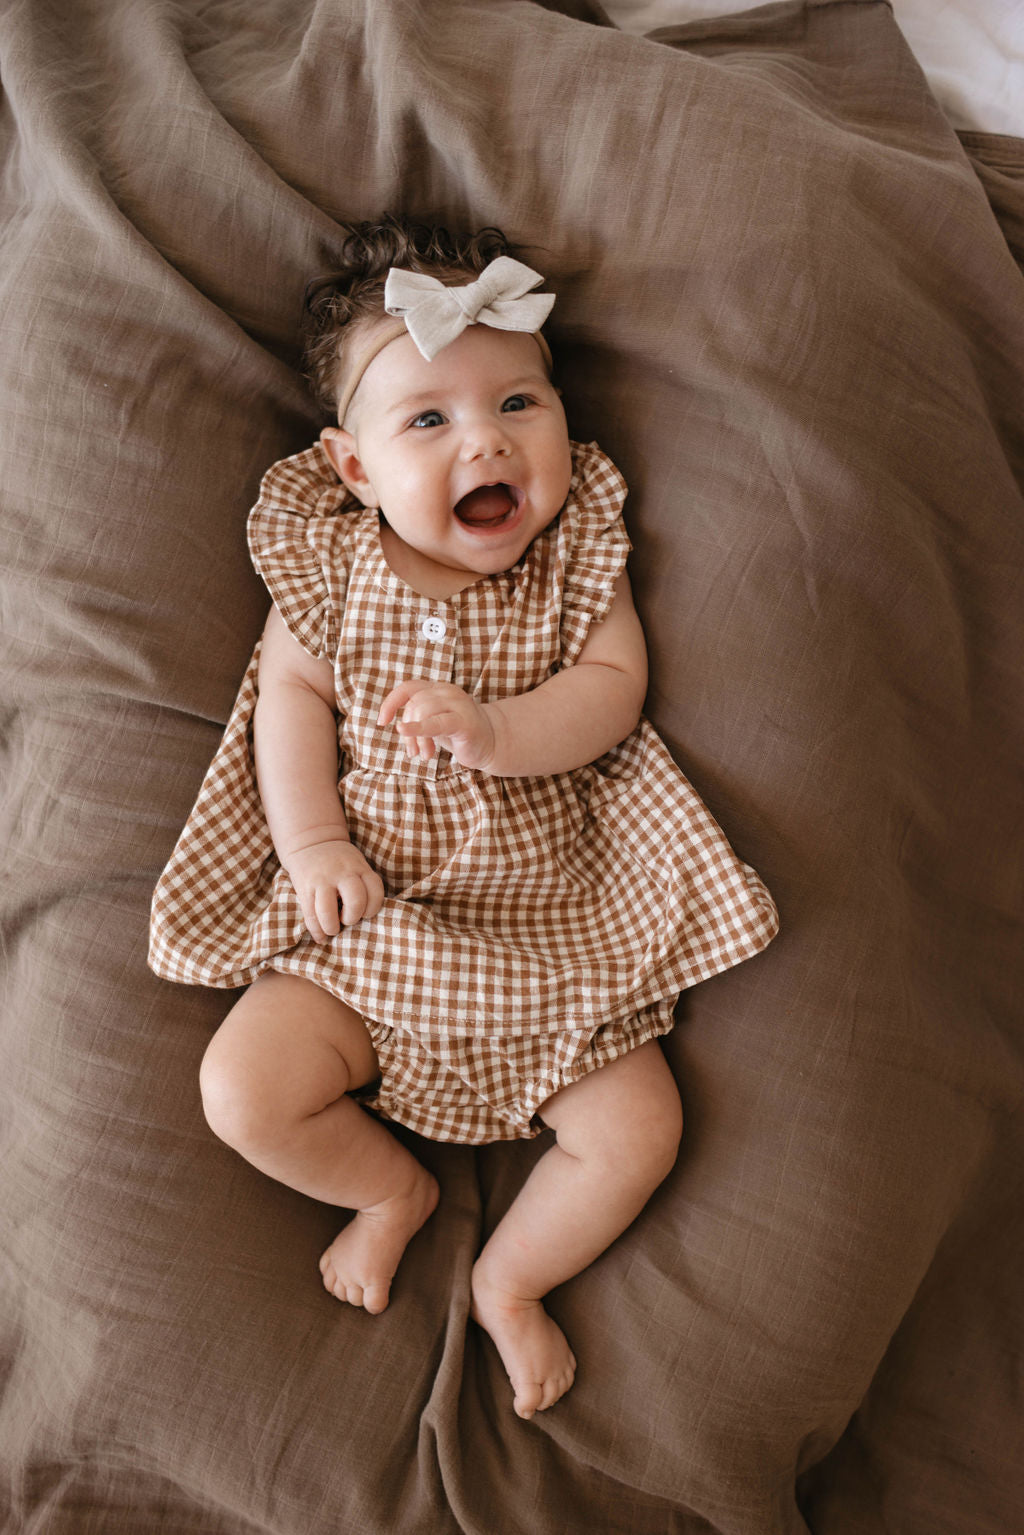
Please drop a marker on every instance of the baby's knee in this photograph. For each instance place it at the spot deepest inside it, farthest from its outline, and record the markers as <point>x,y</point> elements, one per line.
<point>237,1109</point>
<point>640,1143</point>
<point>658,1134</point>
<point>650,1131</point>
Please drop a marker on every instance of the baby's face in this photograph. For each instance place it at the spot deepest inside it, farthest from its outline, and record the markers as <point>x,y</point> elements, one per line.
<point>467,456</point>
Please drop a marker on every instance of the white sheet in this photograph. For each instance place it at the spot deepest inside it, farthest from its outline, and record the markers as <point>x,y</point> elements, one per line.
<point>972,51</point>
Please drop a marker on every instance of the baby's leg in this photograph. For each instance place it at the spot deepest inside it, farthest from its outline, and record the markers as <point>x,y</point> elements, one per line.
<point>617,1134</point>
<point>274,1082</point>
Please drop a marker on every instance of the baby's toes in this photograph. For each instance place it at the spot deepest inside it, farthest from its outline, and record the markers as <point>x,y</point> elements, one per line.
<point>557,1386</point>
<point>332,1281</point>
<point>375,1298</point>
<point>337,1284</point>
<point>529,1398</point>
<point>547,1392</point>
<point>345,1290</point>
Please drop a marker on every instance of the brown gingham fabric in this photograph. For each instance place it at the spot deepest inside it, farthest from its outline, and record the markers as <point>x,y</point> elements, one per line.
<point>534,928</point>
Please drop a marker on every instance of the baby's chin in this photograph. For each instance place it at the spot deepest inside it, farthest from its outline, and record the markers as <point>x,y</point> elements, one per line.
<point>500,546</point>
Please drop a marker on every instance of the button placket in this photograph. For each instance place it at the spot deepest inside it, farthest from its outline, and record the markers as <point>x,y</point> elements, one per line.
<point>437,630</point>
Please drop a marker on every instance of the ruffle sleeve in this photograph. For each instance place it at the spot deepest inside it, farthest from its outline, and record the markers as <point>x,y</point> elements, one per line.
<point>594,546</point>
<point>299,530</point>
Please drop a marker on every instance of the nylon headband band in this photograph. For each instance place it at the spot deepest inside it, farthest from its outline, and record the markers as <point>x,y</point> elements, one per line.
<point>380,340</point>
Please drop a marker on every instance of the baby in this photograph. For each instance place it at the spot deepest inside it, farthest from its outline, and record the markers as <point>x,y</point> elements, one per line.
<point>462,873</point>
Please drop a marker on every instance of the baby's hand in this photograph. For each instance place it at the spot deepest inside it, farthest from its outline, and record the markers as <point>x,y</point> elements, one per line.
<point>434,714</point>
<point>332,873</point>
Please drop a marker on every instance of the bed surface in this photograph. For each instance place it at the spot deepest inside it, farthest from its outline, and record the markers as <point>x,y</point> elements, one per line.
<point>971,51</point>
<point>791,308</point>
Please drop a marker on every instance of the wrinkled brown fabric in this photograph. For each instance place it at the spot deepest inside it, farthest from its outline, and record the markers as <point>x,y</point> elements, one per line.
<point>787,311</point>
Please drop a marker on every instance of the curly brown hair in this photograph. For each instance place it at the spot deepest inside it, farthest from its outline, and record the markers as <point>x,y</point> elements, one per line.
<point>338,301</point>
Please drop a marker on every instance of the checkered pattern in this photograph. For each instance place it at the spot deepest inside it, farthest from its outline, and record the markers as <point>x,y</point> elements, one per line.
<point>535,928</point>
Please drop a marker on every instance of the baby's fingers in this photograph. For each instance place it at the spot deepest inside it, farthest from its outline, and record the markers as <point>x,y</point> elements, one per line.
<point>362,896</point>
<point>429,726</point>
<point>418,746</point>
<point>352,893</point>
<point>398,697</point>
<point>320,913</point>
<point>375,893</point>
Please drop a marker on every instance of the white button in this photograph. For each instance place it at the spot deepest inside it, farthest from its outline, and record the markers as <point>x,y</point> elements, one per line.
<point>434,628</point>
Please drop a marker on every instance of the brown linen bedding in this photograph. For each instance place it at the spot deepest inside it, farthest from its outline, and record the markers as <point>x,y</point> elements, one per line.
<point>786,309</point>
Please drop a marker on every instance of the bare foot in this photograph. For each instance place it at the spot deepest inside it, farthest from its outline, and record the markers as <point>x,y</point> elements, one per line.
<point>533,1348</point>
<point>360,1263</point>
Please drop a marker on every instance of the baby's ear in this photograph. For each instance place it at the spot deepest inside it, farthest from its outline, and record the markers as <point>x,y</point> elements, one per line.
<point>340,447</point>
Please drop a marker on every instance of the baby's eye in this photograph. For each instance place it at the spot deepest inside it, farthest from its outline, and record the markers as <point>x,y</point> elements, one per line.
<point>429,418</point>
<point>516,402</point>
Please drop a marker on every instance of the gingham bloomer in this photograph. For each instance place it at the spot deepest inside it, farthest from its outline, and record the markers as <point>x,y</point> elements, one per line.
<point>534,928</point>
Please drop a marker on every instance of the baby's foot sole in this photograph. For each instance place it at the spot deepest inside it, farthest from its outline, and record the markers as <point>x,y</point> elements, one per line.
<point>534,1350</point>
<point>360,1263</point>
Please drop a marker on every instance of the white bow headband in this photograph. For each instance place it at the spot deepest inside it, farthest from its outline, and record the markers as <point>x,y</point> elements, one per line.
<point>435,315</point>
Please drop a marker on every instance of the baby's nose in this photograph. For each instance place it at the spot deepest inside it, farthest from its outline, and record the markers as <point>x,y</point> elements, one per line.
<point>485,439</point>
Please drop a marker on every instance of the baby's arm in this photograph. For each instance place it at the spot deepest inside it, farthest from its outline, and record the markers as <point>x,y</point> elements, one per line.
<point>571,719</point>
<point>296,742</point>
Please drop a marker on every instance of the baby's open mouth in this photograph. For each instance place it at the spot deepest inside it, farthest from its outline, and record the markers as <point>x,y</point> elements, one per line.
<point>488,506</point>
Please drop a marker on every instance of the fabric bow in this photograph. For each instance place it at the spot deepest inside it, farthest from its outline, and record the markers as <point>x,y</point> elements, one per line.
<point>435,315</point>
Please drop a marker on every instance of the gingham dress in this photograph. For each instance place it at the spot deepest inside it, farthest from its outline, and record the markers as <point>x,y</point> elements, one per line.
<point>533,928</point>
